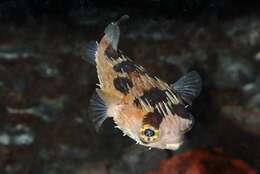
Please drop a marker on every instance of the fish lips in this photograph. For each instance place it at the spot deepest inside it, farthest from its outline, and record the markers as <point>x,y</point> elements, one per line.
<point>173,146</point>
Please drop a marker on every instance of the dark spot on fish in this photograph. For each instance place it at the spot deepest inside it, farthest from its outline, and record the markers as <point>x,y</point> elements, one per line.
<point>153,118</point>
<point>126,66</point>
<point>137,103</point>
<point>152,96</point>
<point>180,110</point>
<point>111,53</point>
<point>123,84</point>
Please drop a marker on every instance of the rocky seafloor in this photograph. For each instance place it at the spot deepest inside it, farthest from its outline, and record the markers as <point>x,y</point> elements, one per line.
<point>45,87</point>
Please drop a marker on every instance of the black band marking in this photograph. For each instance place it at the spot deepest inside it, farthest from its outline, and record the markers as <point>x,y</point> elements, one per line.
<point>153,118</point>
<point>123,84</point>
<point>111,53</point>
<point>126,66</point>
<point>153,96</point>
<point>180,110</point>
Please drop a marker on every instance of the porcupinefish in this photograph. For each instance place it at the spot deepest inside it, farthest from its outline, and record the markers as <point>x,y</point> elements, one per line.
<point>147,109</point>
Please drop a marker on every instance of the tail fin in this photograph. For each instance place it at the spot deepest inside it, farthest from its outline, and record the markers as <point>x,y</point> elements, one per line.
<point>112,32</point>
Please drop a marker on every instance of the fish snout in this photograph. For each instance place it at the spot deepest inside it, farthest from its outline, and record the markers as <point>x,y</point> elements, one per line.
<point>174,146</point>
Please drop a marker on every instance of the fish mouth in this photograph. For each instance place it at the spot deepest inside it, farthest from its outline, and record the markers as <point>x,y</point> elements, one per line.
<point>173,146</point>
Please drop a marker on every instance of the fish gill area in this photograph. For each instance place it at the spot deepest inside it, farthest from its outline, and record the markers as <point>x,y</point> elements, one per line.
<point>45,89</point>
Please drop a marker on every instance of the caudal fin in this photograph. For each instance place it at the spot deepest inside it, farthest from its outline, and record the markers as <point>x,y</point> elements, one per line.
<point>112,32</point>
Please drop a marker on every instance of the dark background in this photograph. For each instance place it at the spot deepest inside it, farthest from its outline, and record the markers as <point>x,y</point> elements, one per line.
<point>147,8</point>
<point>45,86</point>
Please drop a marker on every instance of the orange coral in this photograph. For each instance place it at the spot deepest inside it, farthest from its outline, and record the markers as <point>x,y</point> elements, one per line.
<point>203,161</point>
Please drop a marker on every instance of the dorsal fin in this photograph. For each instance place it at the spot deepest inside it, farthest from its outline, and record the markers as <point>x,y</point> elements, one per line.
<point>188,86</point>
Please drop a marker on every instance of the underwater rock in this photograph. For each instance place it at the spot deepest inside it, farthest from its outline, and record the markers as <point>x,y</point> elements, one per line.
<point>94,168</point>
<point>139,156</point>
<point>4,139</point>
<point>149,29</point>
<point>251,89</point>
<point>19,135</point>
<point>244,31</point>
<point>9,53</point>
<point>47,70</point>
<point>203,161</point>
<point>248,119</point>
<point>232,71</point>
<point>254,102</point>
<point>257,56</point>
<point>48,110</point>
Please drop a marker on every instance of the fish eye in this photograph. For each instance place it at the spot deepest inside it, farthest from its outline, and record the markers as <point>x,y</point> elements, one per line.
<point>148,134</point>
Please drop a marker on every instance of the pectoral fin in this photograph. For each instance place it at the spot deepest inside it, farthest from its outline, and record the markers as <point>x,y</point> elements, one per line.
<point>188,86</point>
<point>97,109</point>
<point>90,51</point>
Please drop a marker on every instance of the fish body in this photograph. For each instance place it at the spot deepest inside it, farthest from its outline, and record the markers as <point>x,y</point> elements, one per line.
<point>147,109</point>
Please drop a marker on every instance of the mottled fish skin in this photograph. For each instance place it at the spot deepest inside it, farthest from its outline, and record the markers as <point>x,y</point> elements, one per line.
<point>144,107</point>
